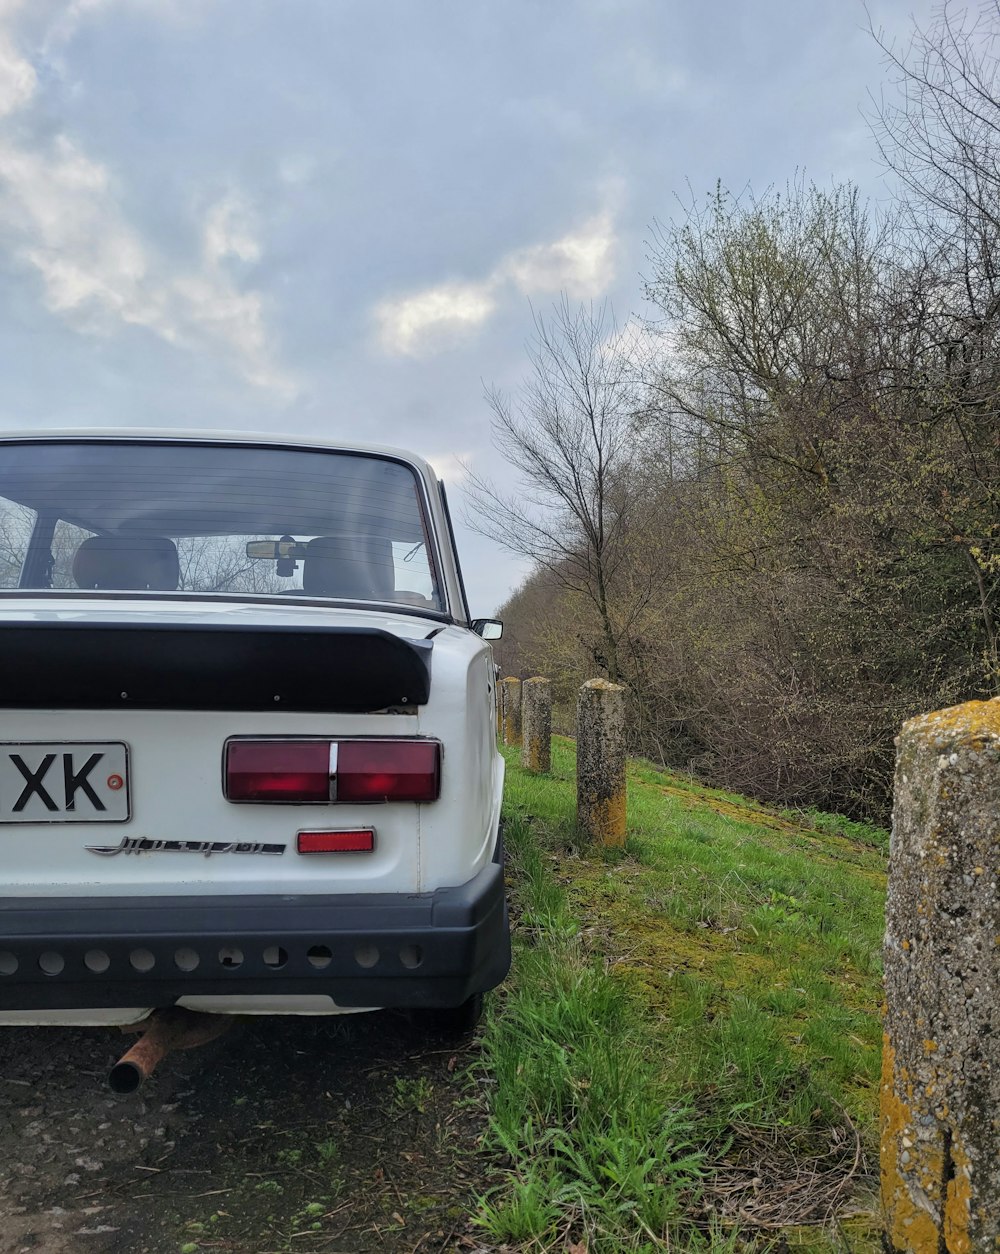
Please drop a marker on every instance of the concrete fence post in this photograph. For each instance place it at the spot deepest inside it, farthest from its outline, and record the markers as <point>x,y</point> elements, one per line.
<point>940,1099</point>
<point>511,711</point>
<point>536,714</point>
<point>600,761</point>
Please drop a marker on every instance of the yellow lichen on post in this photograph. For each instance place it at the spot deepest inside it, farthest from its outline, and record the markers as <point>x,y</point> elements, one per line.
<point>536,725</point>
<point>600,762</point>
<point>511,711</point>
<point>605,818</point>
<point>940,1097</point>
<point>910,1223</point>
<point>958,1204</point>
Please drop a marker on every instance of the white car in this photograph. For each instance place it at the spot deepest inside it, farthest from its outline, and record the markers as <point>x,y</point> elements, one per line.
<point>248,756</point>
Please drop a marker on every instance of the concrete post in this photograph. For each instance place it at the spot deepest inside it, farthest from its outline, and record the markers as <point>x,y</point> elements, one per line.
<point>511,711</point>
<point>536,710</point>
<point>600,762</point>
<point>940,1126</point>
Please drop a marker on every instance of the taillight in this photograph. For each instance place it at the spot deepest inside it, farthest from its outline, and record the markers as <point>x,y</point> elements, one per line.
<point>278,770</point>
<point>296,772</point>
<point>388,770</point>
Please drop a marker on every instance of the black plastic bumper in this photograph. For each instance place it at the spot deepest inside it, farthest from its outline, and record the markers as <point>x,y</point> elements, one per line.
<point>365,949</point>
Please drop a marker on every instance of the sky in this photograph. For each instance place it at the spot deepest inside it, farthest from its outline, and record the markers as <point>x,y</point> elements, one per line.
<point>334,217</point>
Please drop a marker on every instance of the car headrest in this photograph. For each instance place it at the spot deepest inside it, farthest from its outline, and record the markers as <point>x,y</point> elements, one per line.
<point>349,567</point>
<point>128,563</point>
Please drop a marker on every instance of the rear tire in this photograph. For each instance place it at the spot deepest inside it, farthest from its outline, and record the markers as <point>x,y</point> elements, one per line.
<point>455,1022</point>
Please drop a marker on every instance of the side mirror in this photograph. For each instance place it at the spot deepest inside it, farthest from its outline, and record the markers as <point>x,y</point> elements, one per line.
<point>488,628</point>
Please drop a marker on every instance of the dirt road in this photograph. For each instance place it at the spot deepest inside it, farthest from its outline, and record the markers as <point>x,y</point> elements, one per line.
<point>351,1134</point>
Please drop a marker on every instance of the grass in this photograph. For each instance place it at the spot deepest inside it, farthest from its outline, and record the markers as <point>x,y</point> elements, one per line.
<point>687,1052</point>
<point>579,1106</point>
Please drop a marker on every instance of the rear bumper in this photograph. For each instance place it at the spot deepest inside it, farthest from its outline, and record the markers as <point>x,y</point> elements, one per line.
<point>372,949</point>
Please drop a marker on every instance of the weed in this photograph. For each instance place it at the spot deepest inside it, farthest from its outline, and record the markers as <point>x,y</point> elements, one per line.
<point>308,1216</point>
<point>526,1208</point>
<point>412,1094</point>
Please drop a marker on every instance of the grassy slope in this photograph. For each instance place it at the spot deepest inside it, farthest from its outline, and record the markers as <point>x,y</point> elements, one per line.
<point>732,954</point>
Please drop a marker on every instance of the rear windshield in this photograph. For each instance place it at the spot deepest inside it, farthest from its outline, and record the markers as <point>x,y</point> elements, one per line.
<point>214,519</point>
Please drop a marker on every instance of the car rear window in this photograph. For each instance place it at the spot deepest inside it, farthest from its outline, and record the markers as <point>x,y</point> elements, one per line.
<point>244,520</point>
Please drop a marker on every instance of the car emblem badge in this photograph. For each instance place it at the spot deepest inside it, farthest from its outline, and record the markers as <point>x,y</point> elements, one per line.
<point>143,844</point>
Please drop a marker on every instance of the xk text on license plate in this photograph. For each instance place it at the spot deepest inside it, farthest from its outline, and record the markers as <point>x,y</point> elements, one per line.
<point>64,783</point>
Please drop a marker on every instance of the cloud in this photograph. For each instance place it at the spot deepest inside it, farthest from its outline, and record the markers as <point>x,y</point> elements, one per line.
<point>61,216</point>
<point>451,467</point>
<point>228,233</point>
<point>433,318</point>
<point>18,80</point>
<point>581,264</point>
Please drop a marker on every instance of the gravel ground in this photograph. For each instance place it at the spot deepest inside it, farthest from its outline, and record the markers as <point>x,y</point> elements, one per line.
<point>350,1134</point>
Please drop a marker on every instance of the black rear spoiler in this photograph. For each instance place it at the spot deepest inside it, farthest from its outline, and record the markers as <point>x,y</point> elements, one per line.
<point>71,665</point>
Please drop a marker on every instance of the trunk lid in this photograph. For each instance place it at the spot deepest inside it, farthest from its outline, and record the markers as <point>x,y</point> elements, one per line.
<point>171,682</point>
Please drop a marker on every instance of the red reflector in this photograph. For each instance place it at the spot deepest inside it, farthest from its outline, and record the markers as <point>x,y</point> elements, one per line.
<point>362,841</point>
<point>388,770</point>
<point>278,770</point>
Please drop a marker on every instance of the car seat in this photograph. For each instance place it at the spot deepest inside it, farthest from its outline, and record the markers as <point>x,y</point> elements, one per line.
<point>127,563</point>
<point>351,568</point>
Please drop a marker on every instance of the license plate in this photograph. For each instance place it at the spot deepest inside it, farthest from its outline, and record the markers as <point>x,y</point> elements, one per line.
<point>64,783</point>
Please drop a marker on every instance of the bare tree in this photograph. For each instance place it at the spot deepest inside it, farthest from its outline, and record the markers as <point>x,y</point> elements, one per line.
<point>16,523</point>
<point>220,564</point>
<point>939,133</point>
<point>569,433</point>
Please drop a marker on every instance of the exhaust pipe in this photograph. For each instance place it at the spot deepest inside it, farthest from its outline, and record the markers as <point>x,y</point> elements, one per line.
<point>162,1031</point>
